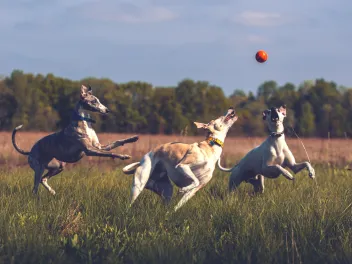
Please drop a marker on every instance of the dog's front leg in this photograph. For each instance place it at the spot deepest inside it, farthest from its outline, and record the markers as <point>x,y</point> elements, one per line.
<point>274,171</point>
<point>297,167</point>
<point>94,152</point>
<point>119,143</point>
<point>188,195</point>
<point>186,170</point>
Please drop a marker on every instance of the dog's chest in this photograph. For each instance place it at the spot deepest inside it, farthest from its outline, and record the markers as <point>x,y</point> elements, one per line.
<point>91,134</point>
<point>277,155</point>
<point>280,159</point>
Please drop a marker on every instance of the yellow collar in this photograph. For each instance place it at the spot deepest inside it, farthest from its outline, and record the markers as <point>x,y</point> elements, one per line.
<point>211,141</point>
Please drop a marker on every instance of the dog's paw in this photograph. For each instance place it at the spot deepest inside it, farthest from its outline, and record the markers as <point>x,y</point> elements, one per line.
<point>134,138</point>
<point>125,157</point>
<point>312,175</point>
<point>181,191</point>
<point>131,139</point>
<point>121,157</point>
<point>186,189</point>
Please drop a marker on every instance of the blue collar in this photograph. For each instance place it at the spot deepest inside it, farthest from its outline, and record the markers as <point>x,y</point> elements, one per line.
<point>77,117</point>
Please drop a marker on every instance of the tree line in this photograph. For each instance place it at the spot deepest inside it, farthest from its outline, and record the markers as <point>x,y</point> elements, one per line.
<point>44,103</point>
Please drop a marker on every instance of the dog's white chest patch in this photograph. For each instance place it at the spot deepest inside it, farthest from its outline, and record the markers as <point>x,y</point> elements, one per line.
<point>92,135</point>
<point>280,159</point>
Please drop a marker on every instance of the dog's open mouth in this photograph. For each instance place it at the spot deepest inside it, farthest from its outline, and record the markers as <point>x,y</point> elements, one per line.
<point>230,116</point>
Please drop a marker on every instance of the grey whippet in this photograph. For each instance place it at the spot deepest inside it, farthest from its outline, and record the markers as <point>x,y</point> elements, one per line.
<point>269,159</point>
<point>189,166</point>
<point>70,144</point>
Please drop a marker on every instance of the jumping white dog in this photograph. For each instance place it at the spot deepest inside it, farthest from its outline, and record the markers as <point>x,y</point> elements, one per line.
<point>189,166</point>
<point>269,159</point>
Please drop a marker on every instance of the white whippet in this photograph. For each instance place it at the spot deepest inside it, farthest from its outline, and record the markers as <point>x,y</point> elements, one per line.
<point>189,166</point>
<point>269,159</point>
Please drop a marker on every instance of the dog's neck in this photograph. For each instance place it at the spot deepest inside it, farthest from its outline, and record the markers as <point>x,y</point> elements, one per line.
<point>277,138</point>
<point>81,116</point>
<point>276,134</point>
<point>214,141</point>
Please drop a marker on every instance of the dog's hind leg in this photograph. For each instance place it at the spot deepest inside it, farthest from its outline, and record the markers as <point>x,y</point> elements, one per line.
<point>38,172</point>
<point>235,179</point>
<point>258,183</point>
<point>161,186</point>
<point>54,168</point>
<point>141,177</point>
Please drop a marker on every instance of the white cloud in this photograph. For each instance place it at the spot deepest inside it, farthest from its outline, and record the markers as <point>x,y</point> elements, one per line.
<point>130,13</point>
<point>259,19</point>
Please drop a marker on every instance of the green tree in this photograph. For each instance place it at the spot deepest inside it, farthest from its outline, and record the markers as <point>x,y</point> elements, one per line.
<point>306,124</point>
<point>251,121</point>
<point>45,102</point>
<point>285,95</point>
<point>8,106</point>
<point>237,98</point>
<point>267,90</point>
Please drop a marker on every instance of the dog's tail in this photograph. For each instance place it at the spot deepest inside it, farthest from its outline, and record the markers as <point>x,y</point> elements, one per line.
<point>225,169</point>
<point>14,141</point>
<point>130,169</point>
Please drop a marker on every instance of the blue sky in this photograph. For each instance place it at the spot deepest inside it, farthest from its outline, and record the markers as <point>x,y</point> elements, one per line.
<point>163,42</point>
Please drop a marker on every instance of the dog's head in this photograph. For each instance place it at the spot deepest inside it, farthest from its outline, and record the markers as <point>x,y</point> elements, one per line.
<point>274,118</point>
<point>91,103</point>
<point>219,127</point>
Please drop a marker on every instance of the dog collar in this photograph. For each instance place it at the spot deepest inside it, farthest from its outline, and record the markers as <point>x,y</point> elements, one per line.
<point>212,141</point>
<point>77,117</point>
<point>276,134</point>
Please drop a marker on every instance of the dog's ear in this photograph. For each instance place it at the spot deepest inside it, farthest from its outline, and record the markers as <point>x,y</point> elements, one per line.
<point>85,91</point>
<point>265,113</point>
<point>201,125</point>
<point>205,126</point>
<point>282,109</point>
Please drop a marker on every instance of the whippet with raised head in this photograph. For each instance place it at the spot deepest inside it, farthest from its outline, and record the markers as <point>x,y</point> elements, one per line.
<point>269,159</point>
<point>189,166</point>
<point>70,144</point>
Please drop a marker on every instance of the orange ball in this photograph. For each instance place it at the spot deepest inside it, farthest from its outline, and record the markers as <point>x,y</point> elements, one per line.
<point>261,56</point>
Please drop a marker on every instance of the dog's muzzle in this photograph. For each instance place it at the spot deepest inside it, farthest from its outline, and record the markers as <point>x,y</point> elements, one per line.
<point>230,115</point>
<point>274,115</point>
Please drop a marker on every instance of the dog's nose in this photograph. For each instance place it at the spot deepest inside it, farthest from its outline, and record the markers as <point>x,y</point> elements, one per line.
<point>107,110</point>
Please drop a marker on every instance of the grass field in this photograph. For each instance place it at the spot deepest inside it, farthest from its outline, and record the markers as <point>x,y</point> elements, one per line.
<point>89,220</point>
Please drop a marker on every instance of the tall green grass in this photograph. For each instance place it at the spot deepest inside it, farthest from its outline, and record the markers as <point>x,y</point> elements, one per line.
<point>89,221</point>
